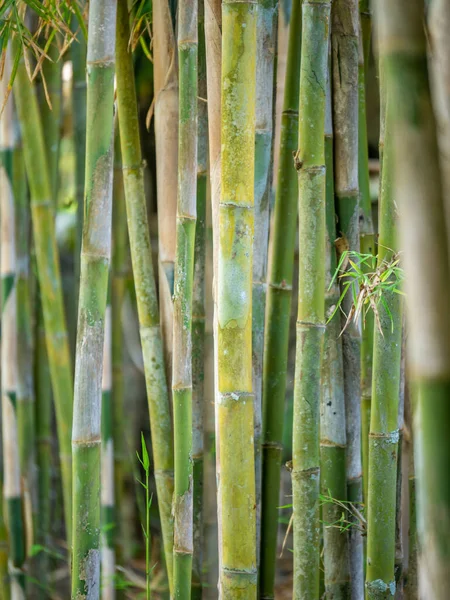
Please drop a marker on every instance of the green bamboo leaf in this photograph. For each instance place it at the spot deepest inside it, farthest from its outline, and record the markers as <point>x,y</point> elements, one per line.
<point>145,458</point>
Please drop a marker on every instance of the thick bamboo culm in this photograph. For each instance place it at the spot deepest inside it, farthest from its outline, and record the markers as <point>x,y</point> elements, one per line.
<point>144,281</point>
<point>234,413</point>
<point>419,195</point>
<point>333,439</point>
<point>266,31</point>
<point>310,163</point>
<point>12,493</point>
<point>94,272</point>
<point>279,295</point>
<point>344,46</point>
<point>42,214</point>
<point>182,297</point>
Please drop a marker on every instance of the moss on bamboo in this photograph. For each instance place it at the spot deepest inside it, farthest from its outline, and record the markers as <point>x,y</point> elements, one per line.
<point>279,296</point>
<point>151,340</point>
<point>235,414</point>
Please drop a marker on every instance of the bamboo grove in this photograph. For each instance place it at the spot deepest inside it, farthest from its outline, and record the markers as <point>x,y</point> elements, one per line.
<point>225,276</point>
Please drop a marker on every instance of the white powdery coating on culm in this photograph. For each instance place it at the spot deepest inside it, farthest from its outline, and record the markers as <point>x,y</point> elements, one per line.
<point>107,354</point>
<point>107,477</point>
<point>108,573</point>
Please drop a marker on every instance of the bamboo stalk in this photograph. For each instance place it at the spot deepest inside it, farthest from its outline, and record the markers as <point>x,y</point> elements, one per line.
<point>95,258</point>
<point>198,314</point>
<point>345,120</point>
<point>279,295</point>
<point>4,581</point>
<point>48,271</point>
<point>267,21</point>
<point>182,298</point>
<point>107,468</point>
<point>152,348</point>
<point>310,163</point>
<point>366,237</point>
<point>166,138</point>
<point>384,435</point>
<point>12,498</point>
<point>234,413</point>
<point>419,196</point>
<point>333,439</point>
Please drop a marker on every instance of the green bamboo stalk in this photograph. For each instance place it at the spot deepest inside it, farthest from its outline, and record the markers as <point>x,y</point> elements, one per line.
<point>366,238</point>
<point>345,121</point>
<point>51,112</point>
<point>234,411</point>
<point>152,348</point>
<point>267,21</point>
<point>95,258</point>
<point>12,498</point>
<point>48,271</point>
<point>420,201</point>
<point>384,435</point>
<point>279,295</point>
<point>4,581</point>
<point>310,163</point>
<point>107,467</point>
<point>182,299</point>
<point>198,314</point>
<point>332,409</point>
<point>119,276</point>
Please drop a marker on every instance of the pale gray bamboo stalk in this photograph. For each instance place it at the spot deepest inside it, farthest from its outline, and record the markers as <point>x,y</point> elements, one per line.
<point>344,36</point>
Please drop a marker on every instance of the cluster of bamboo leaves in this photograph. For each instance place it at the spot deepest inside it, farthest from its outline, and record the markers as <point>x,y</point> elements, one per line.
<point>207,320</point>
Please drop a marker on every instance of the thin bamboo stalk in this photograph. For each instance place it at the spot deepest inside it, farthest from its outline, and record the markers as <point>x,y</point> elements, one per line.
<point>95,259</point>
<point>384,435</point>
<point>333,438</point>
<point>12,498</point>
<point>267,22</point>
<point>182,298</point>
<point>344,38</point>
<point>4,581</point>
<point>235,414</point>
<point>366,237</point>
<point>198,314</point>
<point>279,295</point>
<point>166,138</point>
<point>310,163</point>
<point>144,281</point>
<point>420,200</point>
<point>48,271</point>
<point>107,468</point>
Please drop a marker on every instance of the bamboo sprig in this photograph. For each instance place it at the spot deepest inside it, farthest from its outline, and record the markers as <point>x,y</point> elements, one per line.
<point>234,412</point>
<point>265,68</point>
<point>12,493</point>
<point>108,516</point>
<point>333,438</point>
<point>310,163</point>
<point>344,44</point>
<point>384,434</point>
<point>279,296</point>
<point>150,333</point>
<point>48,272</point>
<point>420,198</point>
<point>182,298</point>
<point>94,270</point>
<point>198,314</point>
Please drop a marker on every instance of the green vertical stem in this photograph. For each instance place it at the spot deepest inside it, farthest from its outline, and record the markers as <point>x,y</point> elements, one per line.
<point>42,214</point>
<point>279,296</point>
<point>108,519</point>
<point>310,163</point>
<point>94,265</point>
<point>420,200</point>
<point>344,38</point>
<point>333,439</point>
<point>384,434</point>
<point>366,237</point>
<point>234,398</point>
<point>265,68</point>
<point>182,298</point>
<point>144,281</point>
<point>198,313</point>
